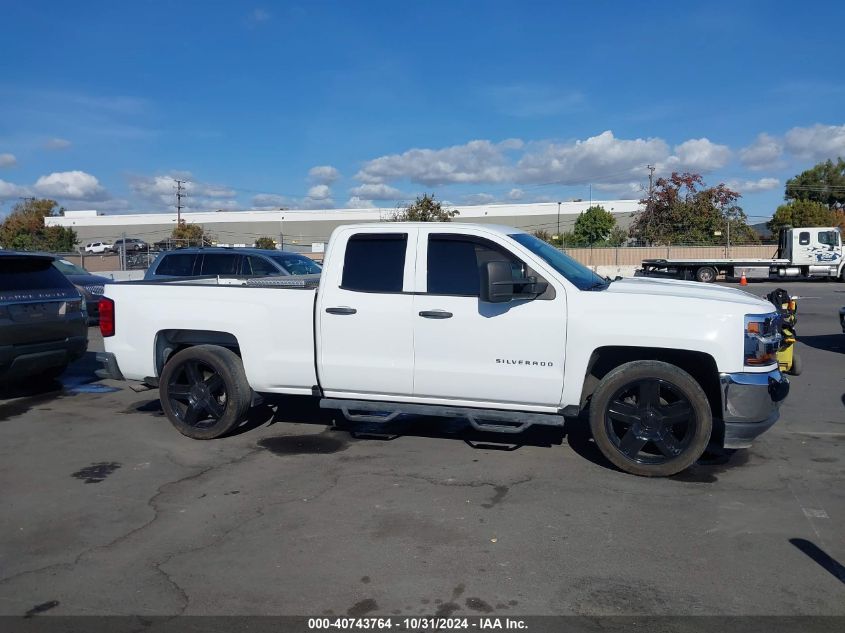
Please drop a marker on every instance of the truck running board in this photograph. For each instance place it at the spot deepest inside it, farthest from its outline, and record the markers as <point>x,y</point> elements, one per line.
<point>494,420</point>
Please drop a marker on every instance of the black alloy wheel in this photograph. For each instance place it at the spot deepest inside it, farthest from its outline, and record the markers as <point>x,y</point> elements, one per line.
<point>197,394</point>
<point>650,418</point>
<point>650,421</point>
<point>204,391</point>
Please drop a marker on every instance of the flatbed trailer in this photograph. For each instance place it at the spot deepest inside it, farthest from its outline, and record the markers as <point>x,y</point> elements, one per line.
<point>708,270</point>
<point>806,253</point>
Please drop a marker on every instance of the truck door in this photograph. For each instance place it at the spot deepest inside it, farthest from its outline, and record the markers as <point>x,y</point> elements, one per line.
<point>364,325</point>
<point>472,351</point>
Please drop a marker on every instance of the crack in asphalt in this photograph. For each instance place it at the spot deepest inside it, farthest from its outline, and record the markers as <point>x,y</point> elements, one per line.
<point>151,503</point>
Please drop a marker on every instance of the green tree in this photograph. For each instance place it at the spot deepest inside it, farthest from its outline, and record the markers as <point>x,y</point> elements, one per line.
<point>190,234</point>
<point>24,229</point>
<point>824,183</point>
<point>683,209</point>
<point>618,236</point>
<point>265,242</point>
<point>593,225</point>
<point>424,209</point>
<point>800,213</point>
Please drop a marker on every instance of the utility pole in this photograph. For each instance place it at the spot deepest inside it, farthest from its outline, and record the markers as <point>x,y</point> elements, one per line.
<point>558,220</point>
<point>650,204</point>
<point>180,193</point>
<point>282,232</point>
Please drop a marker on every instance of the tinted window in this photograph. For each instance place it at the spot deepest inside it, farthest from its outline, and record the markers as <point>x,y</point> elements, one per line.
<point>259,266</point>
<point>24,273</point>
<point>455,262</point>
<point>220,264</point>
<point>804,238</point>
<point>298,264</point>
<point>177,265</point>
<point>830,238</point>
<point>375,262</point>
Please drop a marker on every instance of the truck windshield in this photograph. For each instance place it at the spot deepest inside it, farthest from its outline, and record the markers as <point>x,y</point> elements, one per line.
<point>578,274</point>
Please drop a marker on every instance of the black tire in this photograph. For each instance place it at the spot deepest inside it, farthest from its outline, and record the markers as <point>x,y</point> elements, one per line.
<point>706,274</point>
<point>204,391</point>
<point>650,418</point>
<point>797,365</point>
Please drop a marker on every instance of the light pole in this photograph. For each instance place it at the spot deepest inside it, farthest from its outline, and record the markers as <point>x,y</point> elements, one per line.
<point>558,220</point>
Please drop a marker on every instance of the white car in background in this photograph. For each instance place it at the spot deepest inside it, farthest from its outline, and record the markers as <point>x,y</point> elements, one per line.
<point>98,247</point>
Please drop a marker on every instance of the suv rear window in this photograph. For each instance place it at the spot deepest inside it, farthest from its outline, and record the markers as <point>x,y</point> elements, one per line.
<point>375,262</point>
<point>298,264</point>
<point>177,265</point>
<point>30,273</point>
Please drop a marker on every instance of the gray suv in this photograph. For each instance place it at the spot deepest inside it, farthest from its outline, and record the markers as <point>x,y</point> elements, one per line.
<point>43,324</point>
<point>246,262</point>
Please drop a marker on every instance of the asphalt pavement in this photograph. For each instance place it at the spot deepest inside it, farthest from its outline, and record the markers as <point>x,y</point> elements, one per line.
<point>107,509</point>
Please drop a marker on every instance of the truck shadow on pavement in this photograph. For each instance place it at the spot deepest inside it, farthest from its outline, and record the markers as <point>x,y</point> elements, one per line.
<point>826,342</point>
<point>575,433</point>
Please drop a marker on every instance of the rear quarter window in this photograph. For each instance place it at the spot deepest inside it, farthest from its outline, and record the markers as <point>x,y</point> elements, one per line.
<point>177,265</point>
<point>220,264</point>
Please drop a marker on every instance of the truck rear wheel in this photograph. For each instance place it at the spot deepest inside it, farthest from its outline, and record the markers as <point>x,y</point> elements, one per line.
<point>706,274</point>
<point>650,418</point>
<point>204,391</point>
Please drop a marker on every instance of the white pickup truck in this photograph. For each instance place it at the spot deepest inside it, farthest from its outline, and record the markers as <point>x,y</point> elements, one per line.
<point>482,322</point>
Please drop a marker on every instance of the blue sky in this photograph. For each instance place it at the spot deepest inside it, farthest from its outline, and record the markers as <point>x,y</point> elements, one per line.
<point>335,104</point>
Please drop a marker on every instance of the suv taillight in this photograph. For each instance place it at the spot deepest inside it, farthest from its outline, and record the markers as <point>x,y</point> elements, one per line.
<point>106,317</point>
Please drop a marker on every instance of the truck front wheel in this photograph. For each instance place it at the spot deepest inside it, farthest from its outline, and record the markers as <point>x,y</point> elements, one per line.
<point>204,391</point>
<point>650,418</point>
<point>706,274</point>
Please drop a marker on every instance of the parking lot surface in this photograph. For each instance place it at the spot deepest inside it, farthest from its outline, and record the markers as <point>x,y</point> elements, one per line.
<point>107,509</point>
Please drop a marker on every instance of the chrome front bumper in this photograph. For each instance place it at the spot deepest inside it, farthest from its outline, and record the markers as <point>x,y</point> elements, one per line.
<point>750,404</point>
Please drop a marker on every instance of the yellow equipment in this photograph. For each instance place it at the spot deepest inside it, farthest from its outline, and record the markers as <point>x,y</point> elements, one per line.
<point>788,360</point>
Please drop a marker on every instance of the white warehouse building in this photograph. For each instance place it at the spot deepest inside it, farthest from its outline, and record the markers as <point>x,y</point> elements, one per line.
<point>307,230</point>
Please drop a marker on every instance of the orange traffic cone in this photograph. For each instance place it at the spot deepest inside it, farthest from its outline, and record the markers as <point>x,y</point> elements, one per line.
<point>743,281</point>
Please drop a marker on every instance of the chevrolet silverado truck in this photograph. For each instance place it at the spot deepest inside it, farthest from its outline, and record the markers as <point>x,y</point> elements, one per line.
<point>481,322</point>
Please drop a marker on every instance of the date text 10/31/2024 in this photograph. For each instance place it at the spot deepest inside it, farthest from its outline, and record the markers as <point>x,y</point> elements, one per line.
<point>416,624</point>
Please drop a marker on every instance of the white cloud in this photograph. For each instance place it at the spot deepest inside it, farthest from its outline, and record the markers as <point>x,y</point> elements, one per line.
<point>479,198</point>
<point>516,194</point>
<point>602,158</point>
<point>8,160</point>
<point>474,162</point>
<point>818,142</point>
<point>763,153</point>
<point>359,203</point>
<point>76,185</point>
<point>10,191</point>
<point>315,203</point>
<point>57,143</point>
<point>753,186</point>
<point>319,192</point>
<point>701,155</point>
<point>622,190</point>
<point>161,192</point>
<point>271,200</point>
<point>375,192</point>
<point>323,174</point>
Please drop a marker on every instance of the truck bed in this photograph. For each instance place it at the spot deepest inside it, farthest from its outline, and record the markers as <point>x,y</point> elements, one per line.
<point>269,319</point>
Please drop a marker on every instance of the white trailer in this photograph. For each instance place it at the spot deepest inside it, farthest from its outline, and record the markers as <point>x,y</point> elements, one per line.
<point>808,252</point>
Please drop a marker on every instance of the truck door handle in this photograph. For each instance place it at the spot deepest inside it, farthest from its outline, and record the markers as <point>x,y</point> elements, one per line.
<point>343,310</point>
<point>436,314</point>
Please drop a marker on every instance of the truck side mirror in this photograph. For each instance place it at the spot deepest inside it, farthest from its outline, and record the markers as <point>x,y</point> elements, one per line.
<point>496,282</point>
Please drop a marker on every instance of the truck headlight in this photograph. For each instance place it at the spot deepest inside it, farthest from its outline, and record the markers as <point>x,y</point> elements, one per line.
<point>762,339</point>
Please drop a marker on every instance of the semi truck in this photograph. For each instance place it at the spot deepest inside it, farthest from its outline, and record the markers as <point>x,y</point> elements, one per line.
<point>482,322</point>
<point>808,253</point>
